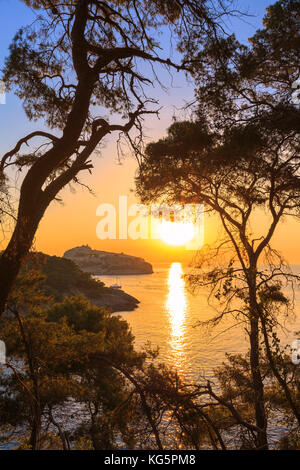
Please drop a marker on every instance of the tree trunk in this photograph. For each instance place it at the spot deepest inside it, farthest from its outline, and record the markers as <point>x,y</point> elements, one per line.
<point>35,437</point>
<point>257,382</point>
<point>34,200</point>
<point>258,387</point>
<point>17,249</point>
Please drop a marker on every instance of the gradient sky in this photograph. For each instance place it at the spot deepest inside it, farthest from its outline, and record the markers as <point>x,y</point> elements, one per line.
<point>74,222</point>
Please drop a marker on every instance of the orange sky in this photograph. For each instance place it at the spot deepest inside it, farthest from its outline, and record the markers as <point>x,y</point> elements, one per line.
<point>74,223</point>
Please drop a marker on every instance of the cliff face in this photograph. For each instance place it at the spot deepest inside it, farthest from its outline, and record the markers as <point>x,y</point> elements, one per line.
<point>103,262</point>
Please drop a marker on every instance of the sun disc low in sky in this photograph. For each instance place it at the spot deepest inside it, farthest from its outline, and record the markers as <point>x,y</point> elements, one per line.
<point>177,233</point>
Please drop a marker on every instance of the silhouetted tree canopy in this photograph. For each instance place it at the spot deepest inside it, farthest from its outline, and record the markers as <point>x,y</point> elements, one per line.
<point>79,62</point>
<point>238,82</point>
<point>239,155</point>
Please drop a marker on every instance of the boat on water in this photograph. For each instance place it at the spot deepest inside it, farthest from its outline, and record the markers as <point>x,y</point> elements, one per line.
<point>116,285</point>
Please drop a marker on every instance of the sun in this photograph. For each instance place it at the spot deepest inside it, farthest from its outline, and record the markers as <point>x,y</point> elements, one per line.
<point>176,233</point>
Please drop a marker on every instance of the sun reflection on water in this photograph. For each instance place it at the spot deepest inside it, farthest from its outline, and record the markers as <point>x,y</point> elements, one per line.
<point>177,307</point>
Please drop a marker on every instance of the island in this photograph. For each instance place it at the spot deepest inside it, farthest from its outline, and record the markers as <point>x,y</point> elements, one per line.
<point>105,263</point>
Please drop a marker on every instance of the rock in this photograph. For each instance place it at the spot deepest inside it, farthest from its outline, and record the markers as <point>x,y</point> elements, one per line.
<point>105,263</point>
<point>116,301</point>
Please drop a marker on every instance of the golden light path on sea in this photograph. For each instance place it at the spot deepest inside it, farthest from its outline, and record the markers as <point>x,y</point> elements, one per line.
<point>177,308</point>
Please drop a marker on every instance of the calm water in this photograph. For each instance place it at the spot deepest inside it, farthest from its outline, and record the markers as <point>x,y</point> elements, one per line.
<point>167,317</point>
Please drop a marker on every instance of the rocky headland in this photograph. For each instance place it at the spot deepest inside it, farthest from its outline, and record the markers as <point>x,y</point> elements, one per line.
<point>63,278</point>
<point>105,263</point>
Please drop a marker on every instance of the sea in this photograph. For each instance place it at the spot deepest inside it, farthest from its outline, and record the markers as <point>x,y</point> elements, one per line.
<point>177,321</point>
